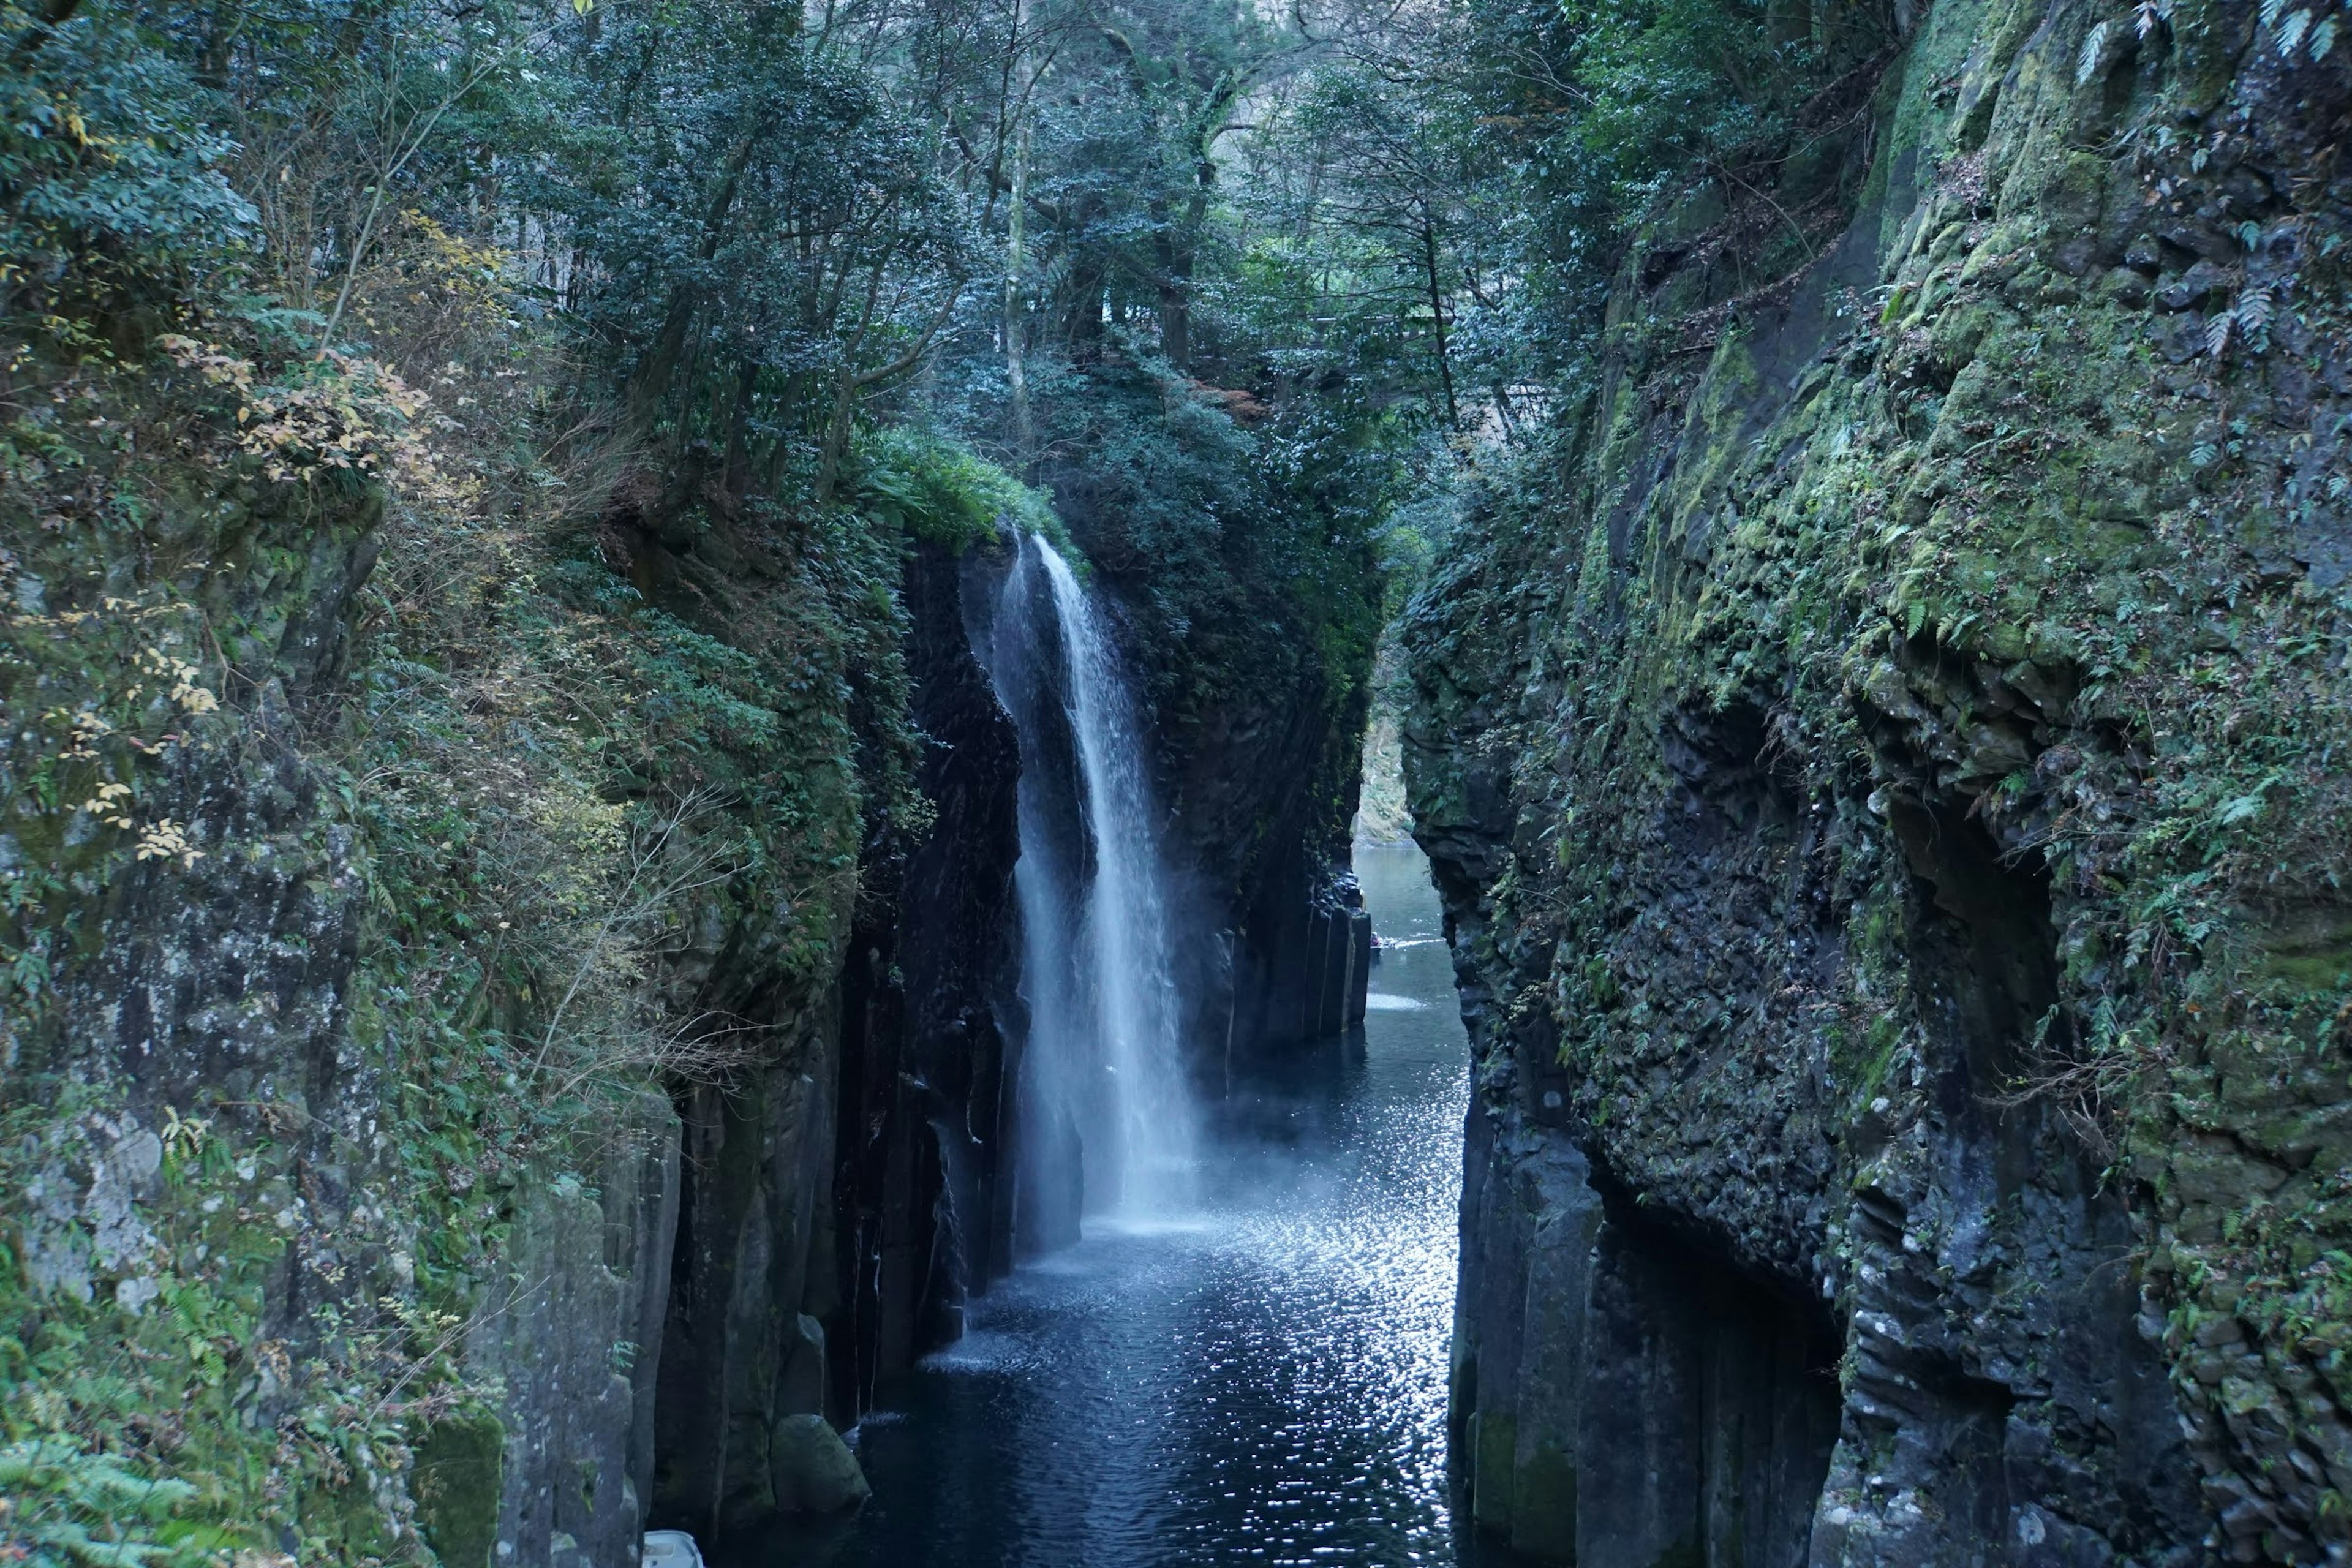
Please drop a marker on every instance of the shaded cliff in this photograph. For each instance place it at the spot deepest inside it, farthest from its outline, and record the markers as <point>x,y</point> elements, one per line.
<point>1879,763</point>
<point>837,1206</point>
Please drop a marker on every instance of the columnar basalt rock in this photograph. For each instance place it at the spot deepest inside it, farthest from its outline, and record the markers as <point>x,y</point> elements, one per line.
<point>840,1206</point>
<point>925,1117</point>
<point>1876,770</point>
<point>1263,803</point>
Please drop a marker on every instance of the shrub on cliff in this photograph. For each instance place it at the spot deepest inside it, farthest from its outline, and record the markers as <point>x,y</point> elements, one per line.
<point>938,488</point>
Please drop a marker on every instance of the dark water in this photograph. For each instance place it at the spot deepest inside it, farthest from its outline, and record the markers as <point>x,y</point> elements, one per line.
<point>1262,1383</point>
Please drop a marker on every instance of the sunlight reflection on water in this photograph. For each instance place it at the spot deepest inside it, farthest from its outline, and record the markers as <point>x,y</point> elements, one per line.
<point>1381,1002</point>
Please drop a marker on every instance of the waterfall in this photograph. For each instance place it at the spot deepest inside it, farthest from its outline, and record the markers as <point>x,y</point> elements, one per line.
<point>1107,1119</point>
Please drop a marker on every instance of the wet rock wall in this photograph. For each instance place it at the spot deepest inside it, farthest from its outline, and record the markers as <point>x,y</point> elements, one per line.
<point>1262,799</point>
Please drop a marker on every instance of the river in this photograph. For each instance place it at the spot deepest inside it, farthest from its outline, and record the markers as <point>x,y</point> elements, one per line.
<point>1261,1382</point>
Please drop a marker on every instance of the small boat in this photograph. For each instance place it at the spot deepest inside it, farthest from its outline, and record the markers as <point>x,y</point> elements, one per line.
<point>669,1549</point>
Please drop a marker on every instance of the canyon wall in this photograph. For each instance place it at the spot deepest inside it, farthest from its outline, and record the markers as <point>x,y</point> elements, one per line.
<point>1263,810</point>
<point>1880,766</point>
<point>839,1205</point>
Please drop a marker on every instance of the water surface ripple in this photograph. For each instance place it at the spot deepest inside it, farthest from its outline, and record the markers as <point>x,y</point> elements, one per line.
<point>1261,1382</point>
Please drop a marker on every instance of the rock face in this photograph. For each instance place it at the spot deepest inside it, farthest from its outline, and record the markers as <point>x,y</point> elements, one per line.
<point>1260,783</point>
<point>839,1208</point>
<point>1877,773</point>
<point>689,1294</point>
<point>227,982</point>
<point>925,1129</point>
<point>572,1461</point>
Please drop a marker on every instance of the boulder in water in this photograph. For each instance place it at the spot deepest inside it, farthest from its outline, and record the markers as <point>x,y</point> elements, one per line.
<point>813,1470</point>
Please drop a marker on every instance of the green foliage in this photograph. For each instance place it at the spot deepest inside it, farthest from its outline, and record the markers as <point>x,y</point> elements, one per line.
<point>771,239</point>
<point>111,187</point>
<point>938,488</point>
<point>132,1355</point>
<point>1659,92</point>
<point>62,1494</point>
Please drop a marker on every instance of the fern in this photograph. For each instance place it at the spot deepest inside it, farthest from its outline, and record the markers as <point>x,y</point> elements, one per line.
<point>2323,39</point>
<point>2292,31</point>
<point>2271,10</point>
<point>2217,334</point>
<point>2094,45</point>
<point>2253,315</point>
<point>48,1478</point>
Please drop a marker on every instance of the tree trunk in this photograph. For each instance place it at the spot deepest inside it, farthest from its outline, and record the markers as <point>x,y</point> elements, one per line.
<point>1016,372</point>
<point>1437,320</point>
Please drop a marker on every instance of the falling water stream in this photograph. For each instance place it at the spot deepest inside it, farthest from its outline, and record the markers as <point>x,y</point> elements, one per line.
<point>1102,1065</point>
<point>1239,1354</point>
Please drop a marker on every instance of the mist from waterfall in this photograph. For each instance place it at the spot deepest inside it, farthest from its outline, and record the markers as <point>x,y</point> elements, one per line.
<point>1106,1117</point>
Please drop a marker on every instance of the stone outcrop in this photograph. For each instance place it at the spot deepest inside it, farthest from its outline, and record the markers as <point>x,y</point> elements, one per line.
<point>1875,770</point>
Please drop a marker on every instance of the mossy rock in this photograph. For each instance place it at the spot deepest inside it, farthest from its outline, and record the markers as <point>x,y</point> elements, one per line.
<point>459,1466</point>
<point>815,1472</point>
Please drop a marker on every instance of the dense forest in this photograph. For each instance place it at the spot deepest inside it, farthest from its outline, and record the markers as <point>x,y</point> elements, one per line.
<point>1840,506</point>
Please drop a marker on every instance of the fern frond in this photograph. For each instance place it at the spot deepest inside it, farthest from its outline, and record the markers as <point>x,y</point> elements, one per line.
<point>2094,45</point>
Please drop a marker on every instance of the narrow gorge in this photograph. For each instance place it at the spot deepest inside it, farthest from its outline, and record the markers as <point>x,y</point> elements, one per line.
<point>1134,783</point>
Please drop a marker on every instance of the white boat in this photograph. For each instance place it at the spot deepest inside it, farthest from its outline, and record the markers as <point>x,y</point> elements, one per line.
<point>669,1549</point>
